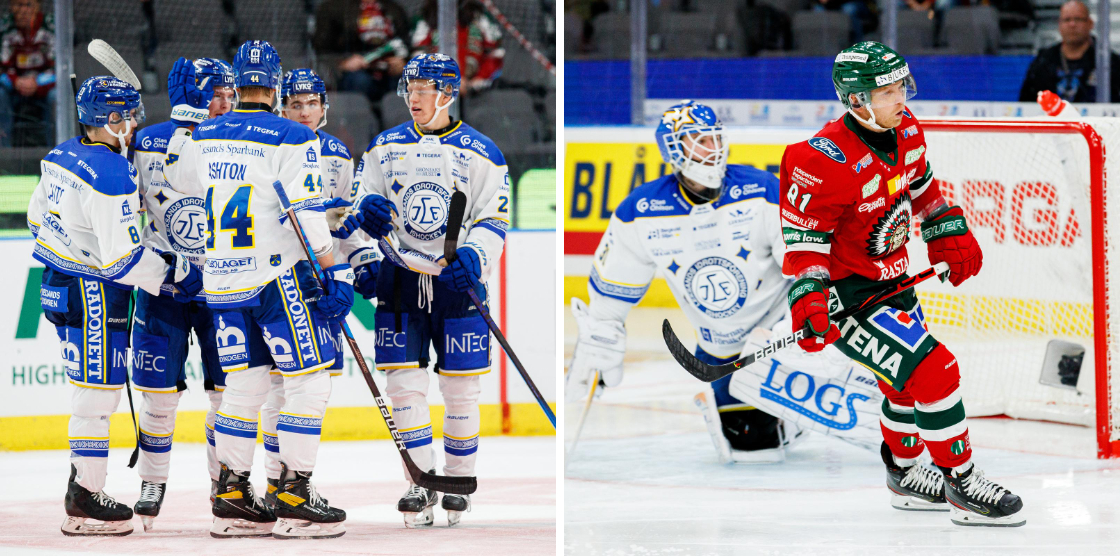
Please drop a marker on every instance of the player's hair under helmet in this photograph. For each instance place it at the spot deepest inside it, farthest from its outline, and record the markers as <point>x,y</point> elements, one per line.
<point>104,100</point>
<point>864,67</point>
<point>257,64</point>
<point>437,69</point>
<point>691,139</point>
<point>211,73</point>
<point>303,81</point>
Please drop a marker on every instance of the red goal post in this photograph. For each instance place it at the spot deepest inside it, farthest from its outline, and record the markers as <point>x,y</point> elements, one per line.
<point>1035,290</point>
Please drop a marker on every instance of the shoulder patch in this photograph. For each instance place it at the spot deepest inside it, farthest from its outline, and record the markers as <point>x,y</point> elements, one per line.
<point>826,146</point>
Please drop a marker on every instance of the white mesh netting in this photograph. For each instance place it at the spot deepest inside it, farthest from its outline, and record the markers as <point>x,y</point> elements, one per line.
<point>1027,199</point>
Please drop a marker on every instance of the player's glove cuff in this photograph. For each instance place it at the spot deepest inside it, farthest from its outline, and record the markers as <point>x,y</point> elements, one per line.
<point>341,273</point>
<point>185,114</point>
<point>804,287</point>
<point>947,224</point>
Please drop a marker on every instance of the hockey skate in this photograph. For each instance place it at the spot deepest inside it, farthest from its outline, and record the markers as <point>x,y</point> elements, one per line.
<point>151,499</point>
<point>83,505</point>
<point>237,510</point>
<point>980,502</point>
<point>270,494</point>
<point>456,504</point>
<point>416,506</point>
<point>914,488</point>
<point>301,513</point>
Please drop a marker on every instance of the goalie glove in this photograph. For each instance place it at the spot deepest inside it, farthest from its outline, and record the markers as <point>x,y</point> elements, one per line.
<point>949,240</point>
<point>600,346</point>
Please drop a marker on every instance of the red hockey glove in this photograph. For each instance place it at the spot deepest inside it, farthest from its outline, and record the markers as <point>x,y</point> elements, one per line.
<point>948,239</point>
<point>809,305</point>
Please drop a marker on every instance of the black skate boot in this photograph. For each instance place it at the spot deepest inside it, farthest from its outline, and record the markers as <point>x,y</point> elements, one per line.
<point>456,504</point>
<point>237,510</point>
<point>82,505</point>
<point>978,501</point>
<point>914,488</point>
<point>151,499</point>
<point>270,494</point>
<point>301,513</point>
<point>416,505</point>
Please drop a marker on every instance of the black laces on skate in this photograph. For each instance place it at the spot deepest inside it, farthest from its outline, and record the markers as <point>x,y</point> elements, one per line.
<point>923,480</point>
<point>976,486</point>
<point>151,491</point>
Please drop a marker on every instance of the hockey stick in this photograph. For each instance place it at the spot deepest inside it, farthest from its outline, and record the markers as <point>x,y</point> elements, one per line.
<point>108,57</point>
<point>593,381</point>
<point>451,241</point>
<point>431,481</point>
<point>711,373</point>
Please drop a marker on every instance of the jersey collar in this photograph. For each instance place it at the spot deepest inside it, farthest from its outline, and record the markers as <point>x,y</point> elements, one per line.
<point>890,159</point>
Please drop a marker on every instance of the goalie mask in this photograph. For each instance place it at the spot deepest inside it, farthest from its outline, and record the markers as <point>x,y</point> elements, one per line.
<point>692,142</point>
<point>869,70</point>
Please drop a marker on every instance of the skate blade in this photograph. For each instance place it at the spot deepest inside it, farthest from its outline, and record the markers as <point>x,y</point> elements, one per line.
<point>226,528</point>
<point>148,521</point>
<point>453,517</point>
<point>85,527</point>
<point>973,519</point>
<point>304,529</point>
<point>912,504</point>
<point>413,520</point>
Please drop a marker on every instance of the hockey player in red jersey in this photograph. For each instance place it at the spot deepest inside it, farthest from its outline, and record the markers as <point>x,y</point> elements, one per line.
<point>847,199</point>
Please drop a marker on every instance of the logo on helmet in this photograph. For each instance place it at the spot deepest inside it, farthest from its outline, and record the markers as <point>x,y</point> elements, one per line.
<point>254,55</point>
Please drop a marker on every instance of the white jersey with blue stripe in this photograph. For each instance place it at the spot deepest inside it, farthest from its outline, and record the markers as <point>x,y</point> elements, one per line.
<point>83,216</point>
<point>339,183</point>
<point>176,222</point>
<point>722,260</point>
<point>418,173</point>
<point>231,162</point>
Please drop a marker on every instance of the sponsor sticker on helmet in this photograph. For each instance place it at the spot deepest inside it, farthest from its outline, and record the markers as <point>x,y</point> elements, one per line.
<point>893,76</point>
<point>851,57</point>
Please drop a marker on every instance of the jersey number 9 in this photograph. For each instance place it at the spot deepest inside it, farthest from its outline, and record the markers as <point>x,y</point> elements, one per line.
<point>235,217</point>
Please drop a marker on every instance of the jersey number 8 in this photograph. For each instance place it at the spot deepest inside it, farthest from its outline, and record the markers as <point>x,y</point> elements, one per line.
<point>235,217</point>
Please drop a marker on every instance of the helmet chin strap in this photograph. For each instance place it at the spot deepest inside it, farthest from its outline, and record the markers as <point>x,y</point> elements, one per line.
<point>870,122</point>
<point>438,110</point>
<point>120,137</point>
<point>323,120</point>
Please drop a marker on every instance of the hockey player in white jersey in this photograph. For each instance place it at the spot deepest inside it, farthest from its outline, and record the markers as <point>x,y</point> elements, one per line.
<point>418,165</point>
<point>162,325</point>
<point>267,309</point>
<point>83,216</point>
<point>303,98</point>
<point>713,231</point>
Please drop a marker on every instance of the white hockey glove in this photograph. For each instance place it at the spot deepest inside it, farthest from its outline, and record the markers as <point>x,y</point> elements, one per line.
<point>824,392</point>
<point>601,346</point>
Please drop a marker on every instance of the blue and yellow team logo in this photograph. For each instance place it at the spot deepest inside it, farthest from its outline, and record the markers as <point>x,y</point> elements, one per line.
<point>274,260</point>
<point>716,286</point>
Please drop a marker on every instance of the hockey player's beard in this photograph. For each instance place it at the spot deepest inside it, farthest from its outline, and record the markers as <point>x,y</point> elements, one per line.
<point>706,194</point>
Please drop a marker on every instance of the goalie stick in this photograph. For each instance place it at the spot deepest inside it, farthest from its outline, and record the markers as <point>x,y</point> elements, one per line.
<point>454,222</point>
<point>431,481</point>
<point>711,373</point>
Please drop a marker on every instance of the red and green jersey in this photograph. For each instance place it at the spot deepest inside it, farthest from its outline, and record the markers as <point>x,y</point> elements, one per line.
<point>846,207</point>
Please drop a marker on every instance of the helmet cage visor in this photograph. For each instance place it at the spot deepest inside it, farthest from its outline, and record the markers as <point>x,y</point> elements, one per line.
<point>135,115</point>
<point>888,95</point>
<point>699,153</point>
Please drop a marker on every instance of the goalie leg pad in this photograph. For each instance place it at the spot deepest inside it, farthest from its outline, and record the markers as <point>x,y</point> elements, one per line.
<point>938,408</point>
<point>157,425</point>
<point>462,421</point>
<point>89,434</point>
<point>235,425</point>
<point>408,389</point>
<point>270,413</point>
<point>300,423</point>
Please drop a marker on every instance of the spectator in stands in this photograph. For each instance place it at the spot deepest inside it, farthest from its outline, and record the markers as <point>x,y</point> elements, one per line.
<point>863,13</point>
<point>480,49</point>
<point>1069,68</point>
<point>586,11</point>
<point>935,9</point>
<point>27,84</point>
<point>370,37</point>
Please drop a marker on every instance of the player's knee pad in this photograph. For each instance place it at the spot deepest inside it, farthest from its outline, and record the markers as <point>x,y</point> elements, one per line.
<point>460,391</point>
<point>161,404</point>
<point>215,400</point>
<point>94,402</point>
<point>248,388</point>
<point>276,394</point>
<point>307,394</point>
<point>936,378</point>
<point>403,384</point>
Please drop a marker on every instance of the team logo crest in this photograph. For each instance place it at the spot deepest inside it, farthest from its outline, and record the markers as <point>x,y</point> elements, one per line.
<point>185,222</point>
<point>274,260</point>
<point>425,210</point>
<point>716,286</point>
<point>892,230</point>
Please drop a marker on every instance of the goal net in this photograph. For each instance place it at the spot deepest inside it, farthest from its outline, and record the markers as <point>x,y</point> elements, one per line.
<point>1033,332</point>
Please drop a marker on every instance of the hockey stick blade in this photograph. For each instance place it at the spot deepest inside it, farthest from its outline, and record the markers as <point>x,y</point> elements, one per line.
<point>108,57</point>
<point>431,481</point>
<point>711,373</point>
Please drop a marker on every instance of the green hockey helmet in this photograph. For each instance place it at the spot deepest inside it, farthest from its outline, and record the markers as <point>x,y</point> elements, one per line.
<point>866,66</point>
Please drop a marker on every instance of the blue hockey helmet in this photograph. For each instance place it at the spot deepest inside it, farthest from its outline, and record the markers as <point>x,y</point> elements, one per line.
<point>219,72</point>
<point>102,96</point>
<point>439,69</point>
<point>302,81</point>
<point>257,64</point>
<point>691,139</point>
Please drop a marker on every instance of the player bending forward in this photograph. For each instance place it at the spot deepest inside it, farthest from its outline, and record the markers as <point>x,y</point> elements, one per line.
<point>303,97</point>
<point>713,231</point>
<point>848,196</point>
<point>83,217</point>
<point>163,323</point>
<point>417,166</point>
<point>267,309</point>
